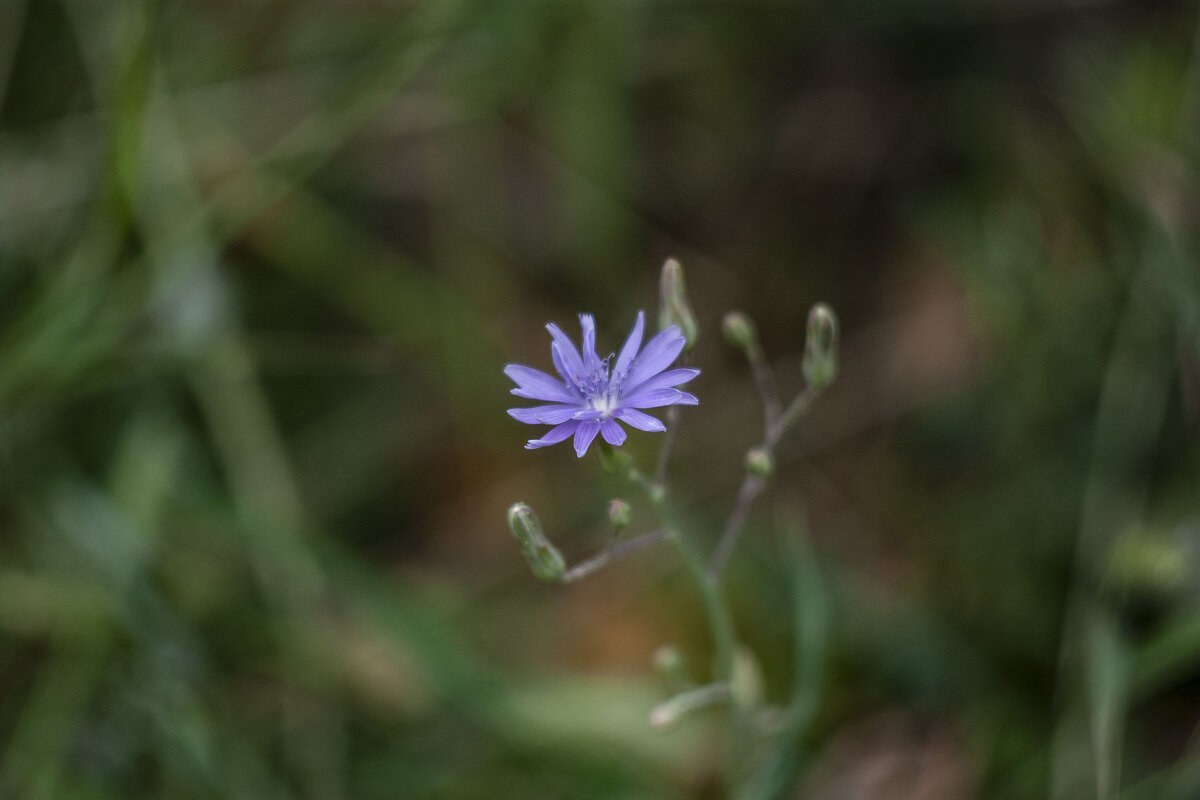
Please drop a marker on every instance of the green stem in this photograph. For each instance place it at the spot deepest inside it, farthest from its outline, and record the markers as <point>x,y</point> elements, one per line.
<point>764,380</point>
<point>716,608</point>
<point>615,550</point>
<point>752,485</point>
<point>720,620</point>
<point>792,414</point>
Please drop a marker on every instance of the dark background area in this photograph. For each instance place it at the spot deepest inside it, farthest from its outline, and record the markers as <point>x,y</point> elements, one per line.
<point>261,265</point>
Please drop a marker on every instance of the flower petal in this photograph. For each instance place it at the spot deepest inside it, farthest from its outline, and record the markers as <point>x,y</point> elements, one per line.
<point>658,354</point>
<point>584,435</point>
<point>630,348</point>
<point>587,414</point>
<point>657,398</point>
<point>537,385</point>
<point>554,435</point>
<point>591,361</point>
<point>544,415</point>
<point>571,364</point>
<point>643,422</point>
<point>613,433</point>
<point>664,380</point>
<point>562,369</point>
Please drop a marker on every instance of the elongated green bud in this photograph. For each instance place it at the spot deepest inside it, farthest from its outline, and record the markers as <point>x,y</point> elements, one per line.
<point>739,330</point>
<point>747,684</point>
<point>543,558</point>
<point>821,347</point>
<point>674,308</point>
<point>619,514</point>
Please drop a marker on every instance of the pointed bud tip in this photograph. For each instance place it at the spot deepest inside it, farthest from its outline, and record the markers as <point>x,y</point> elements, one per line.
<point>820,363</point>
<point>822,322</point>
<point>543,558</point>
<point>674,308</point>
<point>521,517</point>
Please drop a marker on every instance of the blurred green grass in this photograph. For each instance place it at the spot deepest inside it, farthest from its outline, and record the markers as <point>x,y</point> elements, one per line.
<point>261,263</point>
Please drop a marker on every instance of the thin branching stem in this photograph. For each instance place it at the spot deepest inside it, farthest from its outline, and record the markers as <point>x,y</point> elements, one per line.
<point>764,380</point>
<point>792,415</point>
<point>777,424</point>
<point>715,605</point>
<point>752,486</point>
<point>614,552</point>
<point>664,458</point>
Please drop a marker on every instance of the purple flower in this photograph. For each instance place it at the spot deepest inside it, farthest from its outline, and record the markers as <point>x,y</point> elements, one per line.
<point>590,398</point>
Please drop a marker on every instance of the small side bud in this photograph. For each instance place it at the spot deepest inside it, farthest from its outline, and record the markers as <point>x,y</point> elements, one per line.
<point>739,330</point>
<point>674,308</point>
<point>670,663</point>
<point>619,514</point>
<point>759,462</point>
<point>543,558</point>
<point>821,347</point>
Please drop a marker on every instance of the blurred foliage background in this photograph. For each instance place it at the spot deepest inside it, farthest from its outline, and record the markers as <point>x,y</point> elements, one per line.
<point>261,263</point>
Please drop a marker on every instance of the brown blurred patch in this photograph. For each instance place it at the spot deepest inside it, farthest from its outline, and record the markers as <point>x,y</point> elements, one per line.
<point>611,625</point>
<point>920,354</point>
<point>895,756</point>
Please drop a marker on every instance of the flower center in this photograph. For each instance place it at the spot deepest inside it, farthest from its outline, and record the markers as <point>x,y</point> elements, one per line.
<point>605,403</point>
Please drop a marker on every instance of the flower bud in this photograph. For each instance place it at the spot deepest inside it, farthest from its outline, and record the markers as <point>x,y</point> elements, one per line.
<point>619,514</point>
<point>759,462</point>
<point>747,683</point>
<point>739,330</point>
<point>674,308</point>
<point>671,664</point>
<point>543,558</point>
<point>820,347</point>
